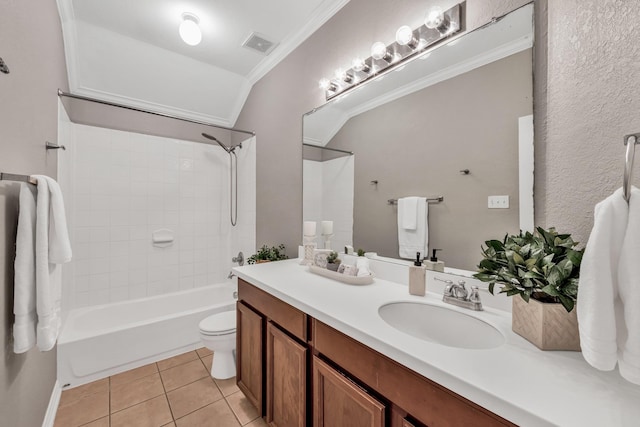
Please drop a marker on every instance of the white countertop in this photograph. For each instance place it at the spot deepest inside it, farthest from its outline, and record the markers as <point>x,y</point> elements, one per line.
<point>527,386</point>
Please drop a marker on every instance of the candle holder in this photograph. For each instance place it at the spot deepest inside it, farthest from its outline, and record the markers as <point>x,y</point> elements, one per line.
<point>309,248</point>
<point>327,240</point>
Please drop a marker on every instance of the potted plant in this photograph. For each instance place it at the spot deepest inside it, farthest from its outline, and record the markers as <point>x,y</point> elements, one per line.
<point>333,262</point>
<point>266,254</point>
<point>543,269</point>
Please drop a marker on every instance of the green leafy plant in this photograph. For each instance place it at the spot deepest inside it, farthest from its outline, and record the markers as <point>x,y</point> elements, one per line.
<point>274,253</point>
<point>332,258</point>
<point>544,266</point>
<point>360,252</point>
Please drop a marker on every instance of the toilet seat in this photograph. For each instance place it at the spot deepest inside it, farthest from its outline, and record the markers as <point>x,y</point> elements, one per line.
<point>219,324</point>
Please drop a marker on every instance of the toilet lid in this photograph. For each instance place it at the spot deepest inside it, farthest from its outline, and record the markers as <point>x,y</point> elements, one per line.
<point>218,324</point>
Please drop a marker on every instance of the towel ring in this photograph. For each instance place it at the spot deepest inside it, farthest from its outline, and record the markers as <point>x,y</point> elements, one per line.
<point>630,141</point>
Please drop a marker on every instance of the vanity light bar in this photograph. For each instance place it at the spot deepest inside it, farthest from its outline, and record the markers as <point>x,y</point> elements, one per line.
<point>386,58</point>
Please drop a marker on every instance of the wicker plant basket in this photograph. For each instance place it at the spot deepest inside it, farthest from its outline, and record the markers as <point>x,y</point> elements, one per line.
<point>547,326</point>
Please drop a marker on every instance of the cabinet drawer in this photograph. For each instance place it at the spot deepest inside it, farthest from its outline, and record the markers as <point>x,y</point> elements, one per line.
<point>289,318</point>
<point>427,401</point>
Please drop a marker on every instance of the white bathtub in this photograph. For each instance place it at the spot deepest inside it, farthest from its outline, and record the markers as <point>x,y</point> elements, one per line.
<point>96,342</point>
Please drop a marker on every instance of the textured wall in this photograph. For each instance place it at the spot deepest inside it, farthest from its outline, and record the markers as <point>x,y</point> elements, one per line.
<point>31,45</point>
<point>277,102</point>
<point>593,100</point>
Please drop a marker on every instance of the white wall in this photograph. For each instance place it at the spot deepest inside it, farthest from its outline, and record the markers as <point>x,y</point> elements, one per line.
<point>125,186</point>
<point>329,196</point>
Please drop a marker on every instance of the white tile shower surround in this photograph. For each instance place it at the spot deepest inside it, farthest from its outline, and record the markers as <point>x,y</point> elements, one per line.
<point>328,195</point>
<point>126,185</point>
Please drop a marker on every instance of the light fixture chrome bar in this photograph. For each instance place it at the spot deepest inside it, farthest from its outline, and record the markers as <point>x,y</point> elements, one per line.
<point>328,148</point>
<point>437,199</point>
<point>397,54</point>
<point>15,177</point>
<point>155,113</point>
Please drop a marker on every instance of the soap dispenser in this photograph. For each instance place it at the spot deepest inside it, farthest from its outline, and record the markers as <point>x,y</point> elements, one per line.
<point>417,274</point>
<point>433,263</point>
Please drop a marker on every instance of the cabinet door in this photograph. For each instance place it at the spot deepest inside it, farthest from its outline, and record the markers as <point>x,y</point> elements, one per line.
<point>286,379</point>
<point>249,352</point>
<point>337,402</point>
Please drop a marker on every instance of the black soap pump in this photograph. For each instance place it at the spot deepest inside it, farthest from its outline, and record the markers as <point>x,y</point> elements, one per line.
<point>417,277</point>
<point>433,263</point>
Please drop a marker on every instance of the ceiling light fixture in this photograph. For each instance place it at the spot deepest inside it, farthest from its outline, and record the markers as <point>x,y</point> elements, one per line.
<point>409,44</point>
<point>189,29</point>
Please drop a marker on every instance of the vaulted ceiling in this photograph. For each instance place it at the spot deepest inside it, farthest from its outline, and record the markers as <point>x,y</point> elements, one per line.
<point>130,52</point>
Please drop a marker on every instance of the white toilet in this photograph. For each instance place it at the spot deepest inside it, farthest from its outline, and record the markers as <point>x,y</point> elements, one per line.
<point>218,334</point>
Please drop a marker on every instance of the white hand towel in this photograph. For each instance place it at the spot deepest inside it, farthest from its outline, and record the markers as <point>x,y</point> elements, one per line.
<point>629,290</point>
<point>598,299</point>
<point>52,249</point>
<point>408,212</point>
<point>24,294</point>
<point>412,241</point>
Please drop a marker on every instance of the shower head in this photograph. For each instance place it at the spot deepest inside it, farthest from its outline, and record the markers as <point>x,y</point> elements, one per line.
<point>227,149</point>
<point>213,138</point>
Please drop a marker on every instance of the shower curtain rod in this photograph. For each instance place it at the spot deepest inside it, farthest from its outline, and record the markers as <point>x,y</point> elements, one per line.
<point>327,148</point>
<point>155,113</point>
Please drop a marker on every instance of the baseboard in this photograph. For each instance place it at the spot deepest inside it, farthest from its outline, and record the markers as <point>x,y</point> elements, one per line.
<point>50,416</point>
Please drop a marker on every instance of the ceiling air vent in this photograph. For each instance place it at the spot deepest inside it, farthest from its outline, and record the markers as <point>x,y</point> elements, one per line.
<point>259,42</point>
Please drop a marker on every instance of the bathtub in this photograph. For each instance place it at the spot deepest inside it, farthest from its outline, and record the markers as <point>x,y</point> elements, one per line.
<point>96,342</point>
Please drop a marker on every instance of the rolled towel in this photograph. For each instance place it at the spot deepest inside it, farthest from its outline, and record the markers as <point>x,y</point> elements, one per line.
<point>363,266</point>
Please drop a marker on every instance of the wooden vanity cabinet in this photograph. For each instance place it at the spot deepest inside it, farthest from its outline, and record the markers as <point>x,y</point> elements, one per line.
<point>271,356</point>
<point>299,371</point>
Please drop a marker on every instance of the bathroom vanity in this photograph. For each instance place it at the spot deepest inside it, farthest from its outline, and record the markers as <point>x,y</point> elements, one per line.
<point>313,351</point>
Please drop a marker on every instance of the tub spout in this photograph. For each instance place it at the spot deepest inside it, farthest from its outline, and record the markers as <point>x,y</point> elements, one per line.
<point>231,275</point>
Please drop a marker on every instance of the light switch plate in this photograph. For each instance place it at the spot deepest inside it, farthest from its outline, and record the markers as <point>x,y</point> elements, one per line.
<point>498,202</point>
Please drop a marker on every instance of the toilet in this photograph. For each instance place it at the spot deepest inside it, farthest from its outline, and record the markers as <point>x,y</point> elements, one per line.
<point>218,334</point>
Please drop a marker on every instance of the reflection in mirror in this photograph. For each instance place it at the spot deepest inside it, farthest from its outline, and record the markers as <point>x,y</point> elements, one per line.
<point>464,105</point>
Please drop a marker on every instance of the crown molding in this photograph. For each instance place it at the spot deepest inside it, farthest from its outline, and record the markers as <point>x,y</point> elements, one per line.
<point>322,14</point>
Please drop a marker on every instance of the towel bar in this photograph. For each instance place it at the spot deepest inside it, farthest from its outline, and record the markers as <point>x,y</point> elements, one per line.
<point>630,141</point>
<point>437,199</point>
<point>14,177</point>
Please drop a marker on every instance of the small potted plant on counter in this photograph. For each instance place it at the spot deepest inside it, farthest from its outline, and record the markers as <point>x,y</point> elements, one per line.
<point>543,269</point>
<point>333,262</point>
<point>266,254</point>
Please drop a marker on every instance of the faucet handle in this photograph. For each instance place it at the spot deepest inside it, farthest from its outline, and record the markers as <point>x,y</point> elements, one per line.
<point>475,295</point>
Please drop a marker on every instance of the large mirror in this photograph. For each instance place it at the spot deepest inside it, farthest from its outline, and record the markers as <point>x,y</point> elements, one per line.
<point>453,125</point>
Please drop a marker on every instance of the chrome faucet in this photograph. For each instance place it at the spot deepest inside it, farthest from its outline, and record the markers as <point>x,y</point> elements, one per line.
<point>239,259</point>
<point>457,294</point>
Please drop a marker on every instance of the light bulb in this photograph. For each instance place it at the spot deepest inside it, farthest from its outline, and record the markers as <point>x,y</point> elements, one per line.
<point>358,64</point>
<point>379,51</point>
<point>324,84</point>
<point>404,37</point>
<point>434,18</point>
<point>189,29</point>
<point>327,85</point>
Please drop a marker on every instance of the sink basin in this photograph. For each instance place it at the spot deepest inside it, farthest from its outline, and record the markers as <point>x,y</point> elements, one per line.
<point>441,325</point>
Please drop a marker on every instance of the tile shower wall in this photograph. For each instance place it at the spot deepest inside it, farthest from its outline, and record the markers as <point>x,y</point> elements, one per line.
<point>328,195</point>
<point>125,186</point>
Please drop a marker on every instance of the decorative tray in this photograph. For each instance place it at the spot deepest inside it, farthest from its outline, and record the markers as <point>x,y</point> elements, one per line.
<point>344,278</point>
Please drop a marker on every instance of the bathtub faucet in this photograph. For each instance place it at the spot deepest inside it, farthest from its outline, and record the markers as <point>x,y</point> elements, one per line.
<point>239,259</point>
<point>231,275</point>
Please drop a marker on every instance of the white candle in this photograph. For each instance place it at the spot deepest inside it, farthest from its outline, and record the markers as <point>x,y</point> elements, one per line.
<point>309,228</point>
<point>327,227</point>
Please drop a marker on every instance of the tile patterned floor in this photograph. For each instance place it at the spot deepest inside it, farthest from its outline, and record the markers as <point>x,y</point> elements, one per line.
<point>176,392</point>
